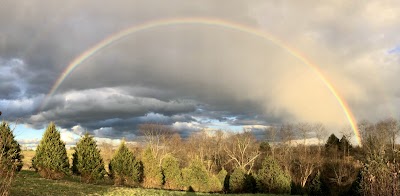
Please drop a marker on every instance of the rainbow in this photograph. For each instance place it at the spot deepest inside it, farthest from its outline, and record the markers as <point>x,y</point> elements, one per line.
<point>210,22</point>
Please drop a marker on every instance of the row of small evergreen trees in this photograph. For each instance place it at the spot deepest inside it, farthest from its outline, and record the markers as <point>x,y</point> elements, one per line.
<point>51,161</point>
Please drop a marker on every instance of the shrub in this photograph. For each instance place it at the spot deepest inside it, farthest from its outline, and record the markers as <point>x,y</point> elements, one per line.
<point>172,173</point>
<point>380,177</point>
<point>153,177</point>
<point>237,180</point>
<point>196,176</point>
<point>214,184</point>
<point>10,150</point>
<point>271,178</point>
<point>222,175</point>
<point>314,186</point>
<point>10,158</point>
<point>87,161</point>
<point>124,167</point>
<point>51,160</point>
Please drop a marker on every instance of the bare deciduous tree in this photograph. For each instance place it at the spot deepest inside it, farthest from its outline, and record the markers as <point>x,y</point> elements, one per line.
<point>157,137</point>
<point>242,150</point>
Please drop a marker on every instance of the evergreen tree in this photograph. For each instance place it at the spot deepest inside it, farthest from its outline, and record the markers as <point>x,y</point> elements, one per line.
<point>196,176</point>
<point>51,160</point>
<point>124,167</point>
<point>87,161</point>
<point>153,177</point>
<point>237,180</point>
<point>222,175</point>
<point>314,186</point>
<point>332,146</point>
<point>10,150</point>
<point>271,178</point>
<point>332,142</point>
<point>345,146</point>
<point>172,173</point>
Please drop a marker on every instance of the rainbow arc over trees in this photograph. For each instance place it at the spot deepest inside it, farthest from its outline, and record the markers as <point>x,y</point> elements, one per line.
<point>209,22</point>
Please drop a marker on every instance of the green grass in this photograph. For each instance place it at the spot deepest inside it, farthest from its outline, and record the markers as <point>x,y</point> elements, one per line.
<point>30,183</point>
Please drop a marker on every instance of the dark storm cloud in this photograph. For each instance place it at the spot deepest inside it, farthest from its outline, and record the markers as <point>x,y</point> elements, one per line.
<point>193,74</point>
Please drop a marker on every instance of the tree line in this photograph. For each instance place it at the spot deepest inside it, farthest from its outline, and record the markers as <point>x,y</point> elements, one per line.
<point>216,161</point>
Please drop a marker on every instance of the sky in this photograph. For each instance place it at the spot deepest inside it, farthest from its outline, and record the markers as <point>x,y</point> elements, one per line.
<point>196,76</point>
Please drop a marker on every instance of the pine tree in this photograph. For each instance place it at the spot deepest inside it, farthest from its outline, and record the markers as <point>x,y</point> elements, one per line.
<point>124,167</point>
<point>271,178</point>
<point>153,177</point>
<point>51,160</point>
<point>172,173</point>
<point>10,150</point>
<point>237,180</point>
<point>222,175</point>
<point>87,161</point>
<point>196,176</point>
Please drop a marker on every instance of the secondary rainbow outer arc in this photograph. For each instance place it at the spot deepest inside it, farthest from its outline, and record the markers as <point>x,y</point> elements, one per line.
<point>203,21</point>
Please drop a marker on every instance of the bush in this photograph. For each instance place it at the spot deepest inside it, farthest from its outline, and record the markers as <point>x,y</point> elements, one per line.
<point>172,173</point>
<point>196,176</point>
<point>87,161</point>
<point>10,150</point>
<point>237,180</point>
<point>214,185</point>
<point>10,158</point>
<point>380,177</point>
<point>222,176</point>
<point>124,167</point>
<point>51,160</point>
<point>271,178</point>
<point>153,177</point>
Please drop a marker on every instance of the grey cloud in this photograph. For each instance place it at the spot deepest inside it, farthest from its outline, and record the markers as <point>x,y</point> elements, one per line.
<point>201,71</point>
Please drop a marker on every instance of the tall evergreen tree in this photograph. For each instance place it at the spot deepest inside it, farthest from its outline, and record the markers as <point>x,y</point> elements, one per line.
<point>196,176</point>
<point>153,177</point>
<point>345,146</point>
<point>172,173</point>
<point>87,161</point>
<point>237,180</point>
<point>125,168</point>
<point>10,150</point>
<point>51,160</point>
<point>271,178</point>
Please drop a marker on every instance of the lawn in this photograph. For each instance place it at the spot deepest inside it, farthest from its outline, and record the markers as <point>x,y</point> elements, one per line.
<point>30,183</point>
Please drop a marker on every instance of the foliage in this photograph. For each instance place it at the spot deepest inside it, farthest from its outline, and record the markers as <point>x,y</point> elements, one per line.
<point>51,160</point>
<point>380,177</point>
<point>196,176</point>
<point>172,173</point>
<point>10,158</point>
<point>87,161</point>
<point>338,175</point>
<point>153,177</point>
<point>222,176</point>
<point>344,144</point>
<point>30,183</point>
<point>237,180</point>
<point>10,150</point>
<point>314,186</point>
<point>332,144</point>
<point>124,168</point>
<point>271,178</point>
